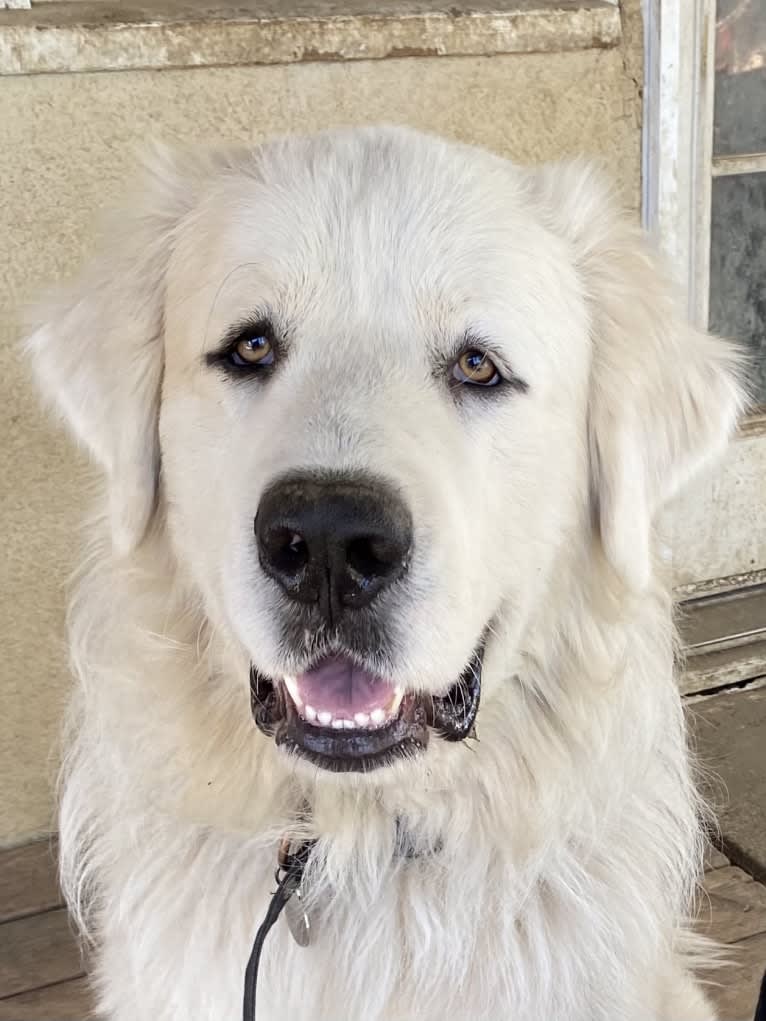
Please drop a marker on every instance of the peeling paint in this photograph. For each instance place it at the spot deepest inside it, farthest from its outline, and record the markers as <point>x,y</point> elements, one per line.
<point>312,55</point>
<point>413,51</point>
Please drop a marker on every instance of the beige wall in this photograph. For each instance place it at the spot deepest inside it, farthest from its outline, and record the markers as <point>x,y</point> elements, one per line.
<point>65,143</point>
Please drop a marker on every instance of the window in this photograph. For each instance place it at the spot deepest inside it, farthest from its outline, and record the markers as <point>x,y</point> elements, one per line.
<point>705,199</point>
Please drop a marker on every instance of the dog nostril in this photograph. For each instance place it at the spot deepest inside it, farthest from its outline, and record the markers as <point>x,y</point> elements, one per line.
<point>373,556</point>
<point>287,551</point>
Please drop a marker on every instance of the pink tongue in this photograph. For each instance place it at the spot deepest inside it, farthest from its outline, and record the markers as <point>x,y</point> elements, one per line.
<point>340,687</point>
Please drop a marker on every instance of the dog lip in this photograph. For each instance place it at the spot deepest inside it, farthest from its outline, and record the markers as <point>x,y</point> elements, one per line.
<point>451,716</point>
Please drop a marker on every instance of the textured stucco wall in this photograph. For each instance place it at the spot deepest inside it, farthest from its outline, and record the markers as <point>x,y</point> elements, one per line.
<point>66,143</point>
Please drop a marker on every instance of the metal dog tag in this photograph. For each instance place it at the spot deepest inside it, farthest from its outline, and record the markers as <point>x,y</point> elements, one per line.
<point>298,921</point>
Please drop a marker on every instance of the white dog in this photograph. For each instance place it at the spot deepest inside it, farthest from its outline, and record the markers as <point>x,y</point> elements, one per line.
<point>385,423</point>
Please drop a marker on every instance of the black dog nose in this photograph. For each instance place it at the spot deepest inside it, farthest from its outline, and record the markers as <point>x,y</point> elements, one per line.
<point>335,541</point>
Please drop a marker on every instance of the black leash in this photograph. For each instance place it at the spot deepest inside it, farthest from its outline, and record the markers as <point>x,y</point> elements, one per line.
<point>289,873</point>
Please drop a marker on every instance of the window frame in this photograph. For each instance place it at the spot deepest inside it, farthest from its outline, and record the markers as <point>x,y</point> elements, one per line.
<point>677,145</point>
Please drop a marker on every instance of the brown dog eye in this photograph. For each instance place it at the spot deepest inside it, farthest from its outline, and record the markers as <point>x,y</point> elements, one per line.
<point>476,368</point>
<point>252,350</point>
<point>248,349</point>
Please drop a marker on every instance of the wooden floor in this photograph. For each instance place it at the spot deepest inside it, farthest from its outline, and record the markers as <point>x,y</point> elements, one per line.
<point>41,974</point>
<point>732,910</point>
<point>42,977</point>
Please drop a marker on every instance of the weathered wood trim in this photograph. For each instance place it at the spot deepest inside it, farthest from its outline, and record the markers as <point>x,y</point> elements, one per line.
<point>107,36</point>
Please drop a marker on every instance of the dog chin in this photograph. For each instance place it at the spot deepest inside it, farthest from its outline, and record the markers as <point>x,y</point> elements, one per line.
<point>343,718</point>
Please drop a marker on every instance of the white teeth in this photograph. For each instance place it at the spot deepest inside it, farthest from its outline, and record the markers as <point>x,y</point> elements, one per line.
<point>292,686</point>
<point>376,718</point>
<point>393,709</point>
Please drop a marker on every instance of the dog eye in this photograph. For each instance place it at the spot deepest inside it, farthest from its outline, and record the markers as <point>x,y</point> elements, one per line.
<point>251,350</point>
<point>476,368</point>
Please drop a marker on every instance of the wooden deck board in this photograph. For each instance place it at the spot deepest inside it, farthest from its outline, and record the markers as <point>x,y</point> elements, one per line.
<point>38,950</point>
<point>735,907</point>
<point>734,988</point>
<point>729,734</point>
<point>28,880</point>
<point>64,1001</point>
<point>733,911</point>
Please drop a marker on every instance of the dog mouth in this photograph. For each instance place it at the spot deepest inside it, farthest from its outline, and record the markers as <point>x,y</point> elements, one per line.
<point>344,718</point>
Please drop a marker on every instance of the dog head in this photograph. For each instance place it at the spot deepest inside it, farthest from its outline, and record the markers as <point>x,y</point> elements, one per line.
<point>387,394</point>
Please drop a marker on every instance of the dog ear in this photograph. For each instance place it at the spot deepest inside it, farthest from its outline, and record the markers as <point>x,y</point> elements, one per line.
<point>664,397</point>
<point>97,349</point>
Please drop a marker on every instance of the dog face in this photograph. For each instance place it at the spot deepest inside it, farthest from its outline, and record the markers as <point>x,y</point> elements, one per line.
<point>389,437</point>
<point>396,387</point>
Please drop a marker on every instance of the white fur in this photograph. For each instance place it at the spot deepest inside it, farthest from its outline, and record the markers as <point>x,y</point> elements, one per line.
<point>558,853</point>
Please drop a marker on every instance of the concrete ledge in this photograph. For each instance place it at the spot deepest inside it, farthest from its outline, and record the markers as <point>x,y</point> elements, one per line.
<point>112,36</point>
<point>724,639</point>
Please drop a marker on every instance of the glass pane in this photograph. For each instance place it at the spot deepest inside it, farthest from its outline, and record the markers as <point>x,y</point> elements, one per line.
<point>738,266</point>
<point>740,78</point>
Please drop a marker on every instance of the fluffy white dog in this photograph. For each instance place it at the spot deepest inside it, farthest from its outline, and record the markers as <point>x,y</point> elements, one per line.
<point>385,423</point>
